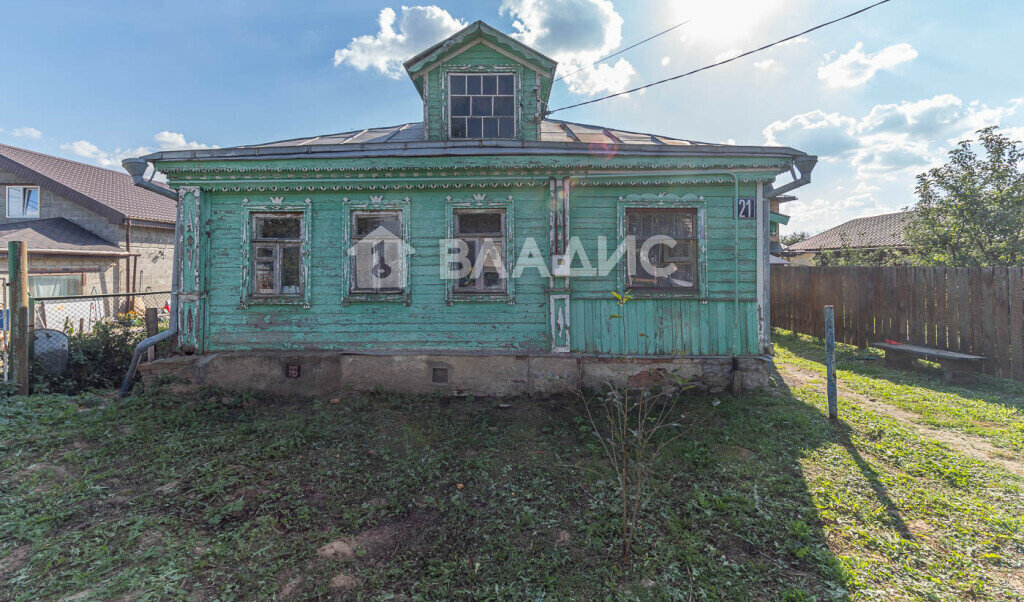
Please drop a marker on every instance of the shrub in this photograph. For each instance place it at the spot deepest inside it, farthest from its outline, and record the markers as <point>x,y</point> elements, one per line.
<point>97,359</point>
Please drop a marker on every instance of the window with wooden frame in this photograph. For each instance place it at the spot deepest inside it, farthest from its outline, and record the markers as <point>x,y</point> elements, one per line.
<point>484,233</point>
<point>277,254</point>
<point>378,253</point>
<point>481,105</point>
<point>22,201</point>
<point>675,266</point>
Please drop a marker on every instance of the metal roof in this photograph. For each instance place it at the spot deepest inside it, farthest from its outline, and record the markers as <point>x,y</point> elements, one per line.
<point>407,139</point>
<point>111,194</point>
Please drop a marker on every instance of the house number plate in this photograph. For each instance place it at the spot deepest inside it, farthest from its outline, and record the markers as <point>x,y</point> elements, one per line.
<point>746,209</point>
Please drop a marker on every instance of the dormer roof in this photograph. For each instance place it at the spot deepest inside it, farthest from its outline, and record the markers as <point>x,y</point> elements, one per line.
<point>481,33</point>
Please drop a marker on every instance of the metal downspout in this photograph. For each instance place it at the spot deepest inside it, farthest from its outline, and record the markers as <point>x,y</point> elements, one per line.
<point>137,167</point>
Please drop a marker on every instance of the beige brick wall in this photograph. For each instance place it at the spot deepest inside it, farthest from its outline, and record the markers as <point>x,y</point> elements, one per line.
<point>154,245</point>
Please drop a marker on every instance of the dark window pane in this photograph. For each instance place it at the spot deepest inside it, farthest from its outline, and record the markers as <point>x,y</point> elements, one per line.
<point>491,127</point>
<point>472,84</point>
<point>475,127</point>
<point>265,252</point>
<point>460,106</point>
<point>506,128</point>
<point>458,84</point>
<point>492,279</point>
<point>459,127</point>
<point>505,83</point>
<point>479,223</point>
<point>682,277</point>
<point>490,84</point>
<point>504,106</point>
<point>291,271</point>
<point>278,227</point>
<point>264,282</point>
<point>367,224</point>
<point>481,106</point>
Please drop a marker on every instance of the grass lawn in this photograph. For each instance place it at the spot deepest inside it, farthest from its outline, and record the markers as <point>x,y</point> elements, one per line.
<point>918,493</point>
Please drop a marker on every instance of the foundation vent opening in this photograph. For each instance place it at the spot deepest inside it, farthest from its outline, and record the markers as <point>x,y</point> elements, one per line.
<point>439,376</point>
<point>293,370</point>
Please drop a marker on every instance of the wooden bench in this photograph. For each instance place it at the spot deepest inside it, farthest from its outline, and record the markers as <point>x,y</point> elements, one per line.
<point>957,367</point>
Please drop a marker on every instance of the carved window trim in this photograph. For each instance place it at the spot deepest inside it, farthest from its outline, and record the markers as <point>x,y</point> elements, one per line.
<point>479,201</point>
<point>379,204</point>
<point>667,201</point>
<point>274,205</point>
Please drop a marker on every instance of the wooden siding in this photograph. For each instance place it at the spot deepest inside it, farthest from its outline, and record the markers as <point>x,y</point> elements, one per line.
<point>426,323</point>
<point>690,326</point>
<point>970,310</point>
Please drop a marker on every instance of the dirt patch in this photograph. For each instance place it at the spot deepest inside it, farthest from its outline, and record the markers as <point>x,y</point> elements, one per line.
<point>973,447</point>
<point>562,538</point>
<point>736,451</point>
<point>13,562</point>
<point>344,582</point>
<point>381,542</point>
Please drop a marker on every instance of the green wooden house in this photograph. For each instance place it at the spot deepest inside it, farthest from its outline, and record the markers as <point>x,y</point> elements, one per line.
<point>315,264</point>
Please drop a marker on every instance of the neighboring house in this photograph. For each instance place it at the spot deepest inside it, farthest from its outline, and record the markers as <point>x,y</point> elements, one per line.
<point>88,230</point>
<point>282,294</point>
<point>879,232</point>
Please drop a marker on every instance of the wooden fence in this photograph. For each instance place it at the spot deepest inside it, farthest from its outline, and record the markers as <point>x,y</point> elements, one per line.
<point>971,310</point>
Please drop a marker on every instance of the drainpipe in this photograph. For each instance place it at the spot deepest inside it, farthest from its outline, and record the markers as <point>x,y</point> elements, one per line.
<point>137,169</point>
<point>804,165</point>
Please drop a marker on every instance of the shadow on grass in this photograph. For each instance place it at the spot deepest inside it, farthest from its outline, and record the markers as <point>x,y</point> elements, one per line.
<point>867,363</point>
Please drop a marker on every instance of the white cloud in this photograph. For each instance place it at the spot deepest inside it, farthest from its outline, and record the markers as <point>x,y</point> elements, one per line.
<point>728,54</point>
<point>576,33</point>
<point>769,65</point>
<point>109,159</point>
<point>175,141</point>
<point>878,154</point>
<point>795,41</point>
<point>827,135</point>
<point>665,60</point>
<point>112,159</point>
<point>856,67</point>
<point>727,21</point>
<point>27,132</point>
<point>418,28</point>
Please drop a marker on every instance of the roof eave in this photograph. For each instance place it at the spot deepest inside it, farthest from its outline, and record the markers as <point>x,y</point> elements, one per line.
<point>450,148</point>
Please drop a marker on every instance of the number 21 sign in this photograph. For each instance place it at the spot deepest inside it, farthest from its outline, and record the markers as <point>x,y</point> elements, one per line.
<point>746,209</point>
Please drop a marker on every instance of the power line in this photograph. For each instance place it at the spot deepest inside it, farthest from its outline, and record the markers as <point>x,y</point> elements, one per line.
<point>729,60</point>
<point>601,60</point>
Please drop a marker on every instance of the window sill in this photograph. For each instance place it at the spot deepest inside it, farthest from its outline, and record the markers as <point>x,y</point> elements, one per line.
<point>666,294</point>
<point>376,298</point>
<point>275,301</point>
<point>458,297</point>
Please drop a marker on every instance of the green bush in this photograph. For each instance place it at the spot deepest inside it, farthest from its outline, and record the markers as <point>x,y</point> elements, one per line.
<point>97,359</point>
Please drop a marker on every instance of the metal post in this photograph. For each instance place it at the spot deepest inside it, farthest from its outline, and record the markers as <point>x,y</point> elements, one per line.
<point>17,267</point>
<point>830,362</point>
<point>152,323</point>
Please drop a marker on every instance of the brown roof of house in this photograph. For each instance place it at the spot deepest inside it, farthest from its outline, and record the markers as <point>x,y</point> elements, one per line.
<point>56,234</point>
<point>109,193</point>
<point>888,230</point>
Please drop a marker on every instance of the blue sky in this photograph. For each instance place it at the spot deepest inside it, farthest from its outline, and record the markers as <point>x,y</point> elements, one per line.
<point>880,97</point>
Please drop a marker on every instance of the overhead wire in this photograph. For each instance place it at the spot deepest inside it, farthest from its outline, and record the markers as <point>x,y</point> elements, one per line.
<point>644,41</point>
<point>722,62</point>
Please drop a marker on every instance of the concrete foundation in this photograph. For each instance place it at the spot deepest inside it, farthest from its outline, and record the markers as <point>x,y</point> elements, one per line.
<point>325,373</point>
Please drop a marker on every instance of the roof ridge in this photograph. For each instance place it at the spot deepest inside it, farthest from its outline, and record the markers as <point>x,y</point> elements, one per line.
<point>59,158</point>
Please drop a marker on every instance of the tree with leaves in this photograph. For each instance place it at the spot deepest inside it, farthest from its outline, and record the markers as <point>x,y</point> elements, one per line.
<point>970,211</point>
<point>794,237</point>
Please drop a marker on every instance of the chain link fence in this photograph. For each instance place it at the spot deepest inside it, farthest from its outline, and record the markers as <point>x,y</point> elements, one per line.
<point>86,341</point>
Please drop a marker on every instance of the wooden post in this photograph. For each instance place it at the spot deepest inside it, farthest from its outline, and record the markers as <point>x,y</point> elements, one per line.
<point>17,268</point>
<point>151,328</point>
<point>830,361</point>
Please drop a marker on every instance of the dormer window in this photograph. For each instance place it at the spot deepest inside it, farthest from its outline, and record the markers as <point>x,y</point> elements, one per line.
<point>482,105</point>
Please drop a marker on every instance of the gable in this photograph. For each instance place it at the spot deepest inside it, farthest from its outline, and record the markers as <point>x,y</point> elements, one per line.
<point>476,34</point>
<point>481,50</point>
